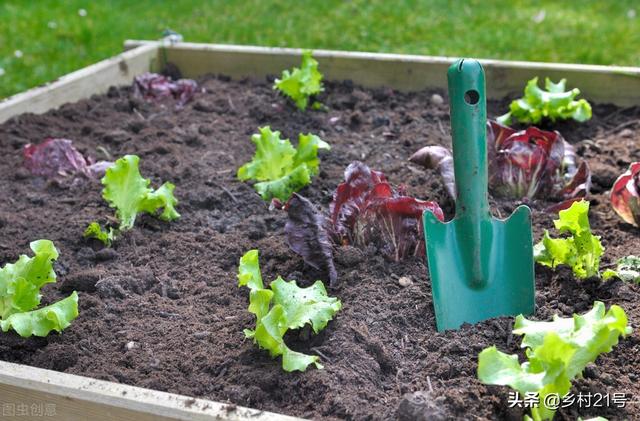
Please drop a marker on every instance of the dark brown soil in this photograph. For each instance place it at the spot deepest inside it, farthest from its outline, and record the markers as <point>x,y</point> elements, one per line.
<point>162,309</point>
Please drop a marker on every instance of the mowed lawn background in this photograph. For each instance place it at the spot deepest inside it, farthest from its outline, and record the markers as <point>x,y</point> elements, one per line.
<point>44,39</point>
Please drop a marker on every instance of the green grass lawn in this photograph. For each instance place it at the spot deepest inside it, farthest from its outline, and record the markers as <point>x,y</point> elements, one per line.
<point>41,40</point>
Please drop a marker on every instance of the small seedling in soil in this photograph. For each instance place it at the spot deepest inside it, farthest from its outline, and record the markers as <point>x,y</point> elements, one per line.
<point>56,159</point>
<point>300,84</point>
<point>129,193</point>
<point>581,250</point>
<point>554,103</point>
<point>627,269</point>
<point>625,195</point>
<point>155,87</point>
<point>281,307</point>
<point>279,168</point>
<point>523,165</point>
<point>20,285</point>
<point>557,352</point>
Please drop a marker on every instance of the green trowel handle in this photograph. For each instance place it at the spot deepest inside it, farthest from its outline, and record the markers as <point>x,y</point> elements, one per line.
<point>468,125</point>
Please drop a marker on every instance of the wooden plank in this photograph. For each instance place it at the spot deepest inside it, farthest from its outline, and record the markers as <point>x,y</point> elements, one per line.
<point>83,83</point>
<point>603,84</point>
<point>34,393</point>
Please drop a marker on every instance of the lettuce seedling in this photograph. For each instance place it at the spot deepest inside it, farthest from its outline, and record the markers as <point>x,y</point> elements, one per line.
<point>581,250</point>
<point>625,195</point>
<point>20,285</point>
<point>129,193</point>
<point>279,168</point>
<point>627,269</point>
<point>58,158</point>
<point>366,209</point>
<point>301,83</point>
<point>523,165</point>
<point>281,307</point>
<point>554,104</point>
<point>155,87</point>
<point>557,352</point>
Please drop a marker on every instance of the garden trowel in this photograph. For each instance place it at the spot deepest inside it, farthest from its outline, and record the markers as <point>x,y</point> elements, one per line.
<point>480,266</point>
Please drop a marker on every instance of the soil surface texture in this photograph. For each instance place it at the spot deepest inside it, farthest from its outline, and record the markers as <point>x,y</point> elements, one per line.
<point>162,310</point>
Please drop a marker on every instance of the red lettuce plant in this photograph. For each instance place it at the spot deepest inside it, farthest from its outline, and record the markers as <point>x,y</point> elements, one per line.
<point>155,87</point>
<point>525,165</point>
<point>367,209</point>
<point>625,195</point>
<point>58,158</point>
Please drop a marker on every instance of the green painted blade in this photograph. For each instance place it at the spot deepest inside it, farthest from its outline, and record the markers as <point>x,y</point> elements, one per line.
<point>480,267</point>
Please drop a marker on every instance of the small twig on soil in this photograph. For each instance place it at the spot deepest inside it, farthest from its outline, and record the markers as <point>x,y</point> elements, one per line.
<point>135,110</point>
<point>618,111</point>
<point>135,247</point>
<point>317,351</point>
<point>618,128</point>
<point>398,381</point>
<point>429,383</point>
<point>224,189</point>
<point>509,338</point>
<point>441,127</point>
<point>231,103</point>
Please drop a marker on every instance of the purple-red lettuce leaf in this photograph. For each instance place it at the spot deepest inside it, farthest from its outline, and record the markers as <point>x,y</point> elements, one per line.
<point>307,236</point>
<point>156,87</point>
<point>438,158</point>
<point>366,209</point>
<point>56,159</point>
<point>523,165</point>
<point>349,198</point>
<point>625,195</point>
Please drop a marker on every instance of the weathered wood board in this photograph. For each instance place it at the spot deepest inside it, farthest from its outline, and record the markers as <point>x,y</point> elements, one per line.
<point>605,84</point>
<point>34,393</point>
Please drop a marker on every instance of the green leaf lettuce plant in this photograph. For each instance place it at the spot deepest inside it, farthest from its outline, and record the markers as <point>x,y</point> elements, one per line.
<point>281,307</point>
<point>552,103</point>
<point>557,352</point>
<point>301,83</point>
<point>129,193</point>
<point>20,285</point>
<point>580,250</point>
<point>279,168</point>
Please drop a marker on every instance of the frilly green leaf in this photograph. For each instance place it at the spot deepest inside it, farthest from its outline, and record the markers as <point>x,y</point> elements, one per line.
<point>557,352</point>
<point>57,316</point>
<point>305,305</point>
<point>301,83</point>
<point>282,307</point>
<point>556,103</point>
<point>280,169</point>
<point>20,285</point>
<point>129,193</point>
<point>249,271</point>
<point>581,250</point>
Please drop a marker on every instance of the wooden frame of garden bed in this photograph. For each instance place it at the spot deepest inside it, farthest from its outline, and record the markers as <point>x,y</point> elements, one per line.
<point>78,398</point>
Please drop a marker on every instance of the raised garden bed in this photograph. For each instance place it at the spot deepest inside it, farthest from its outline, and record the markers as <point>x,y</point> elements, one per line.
<point>167,314</point>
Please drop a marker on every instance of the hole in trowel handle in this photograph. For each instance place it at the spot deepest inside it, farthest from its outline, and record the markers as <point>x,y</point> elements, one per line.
<point>471,97</point>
